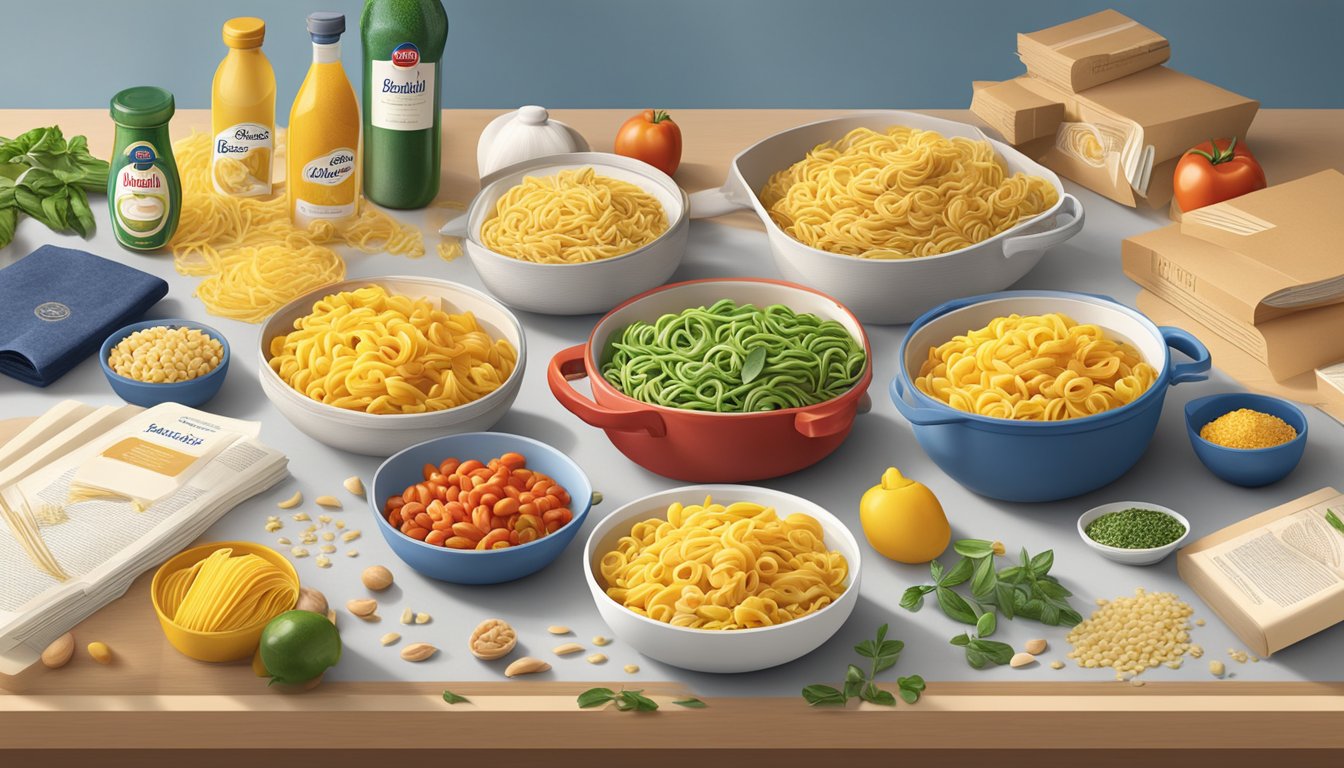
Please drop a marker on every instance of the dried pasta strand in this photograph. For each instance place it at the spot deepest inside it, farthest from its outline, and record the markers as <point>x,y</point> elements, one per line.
<point>901,193</point>
<point>225,592</point>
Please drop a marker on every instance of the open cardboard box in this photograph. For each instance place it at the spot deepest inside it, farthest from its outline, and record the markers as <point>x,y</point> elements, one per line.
<point>1095,49</point>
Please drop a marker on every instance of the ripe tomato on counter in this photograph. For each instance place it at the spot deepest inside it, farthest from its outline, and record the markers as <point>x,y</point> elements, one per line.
<point>1216,171</point>
<point>651,136</point>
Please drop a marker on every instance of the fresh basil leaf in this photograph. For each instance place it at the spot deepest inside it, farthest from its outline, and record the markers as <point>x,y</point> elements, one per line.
<point>1052,589</point>
<point>874,695</point>
<point>824,695</point>
<point>1012,574</point>
<point>993,650</point>
<point>1069,617</point>
<point>867,649</point>
<point>936,570</point>
<point>883,663</point>
<point>973,548</point>
<point>853,688</point>
<point>1042,563</point>
<point>984,580</point>
<point>962,640</point>
<point>890,648</point>
<point>636,700</point>
<point>960,573</point>
<point>9,220</point>
<point>881,634</point>
<point>1031,608</point>
<point>975,658</point>
<point>453,698</point>
<point>595,697</point>
<point>955,606</point>
<point>911,600</point>
<point>1049,614</point>
<point>854,673</point>
<point>753,364</point>
<point>623,705</point>
<point>1003,596</point>
<point>985,625</point>
<point>690,703</point>
<point>913,682</point>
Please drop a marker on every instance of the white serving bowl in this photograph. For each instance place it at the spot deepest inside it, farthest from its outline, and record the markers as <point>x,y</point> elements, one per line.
<point>892,291</point>
<point>385,434</point>
<point>588,287</point>
<point>1131,556</point>
<point>740,650</point>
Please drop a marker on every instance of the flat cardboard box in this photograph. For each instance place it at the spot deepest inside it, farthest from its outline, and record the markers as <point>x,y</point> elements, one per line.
<point>1330,385</point>
<point>1015,112</point>
<point>1090,51</point>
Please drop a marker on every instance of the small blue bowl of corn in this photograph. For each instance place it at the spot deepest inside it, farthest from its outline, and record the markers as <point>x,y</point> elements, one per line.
<point>1244,438</point>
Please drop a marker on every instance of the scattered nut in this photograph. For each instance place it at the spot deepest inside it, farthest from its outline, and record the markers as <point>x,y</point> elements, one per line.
<point>58,654</point>
<point>328,536</point>
<point>299,552</point>
<point>492,639</point>
<point>407,616</point>
<point>418,651</point>
<point>1056,664</point>
<point>1174,664</point>
<point>422,618</point>
<point>1217,668</point>
<point>389,638</point>
<point>600,640</point>
<point>1035,647</point>
<point>376,578</point>
<point>1021,659</point>
<point>327,549</point>
<point>1255,659</point>
<point>362,608</point>
<point>352,553</point>
<point>308,538</point>
<point>1199,622</point>
<point>632,668</point>
<point>100,653</point>
<point>567,649</point>
<point>323,561</point>
<point>273,525</point>
<point>311,600</point>
<point>292,501</point>
<point>324,519</point>
<point>349,536</point>
<point>556,629</point>
<point>1136,682</point>
<point>596,658</point>
<point>301,516</point>
<point>526,666</point>
<point>331,616</point>
<point>284,542</point>
<point>354,485</point>
<point>330,502</point>
<point>340,524</point>
<point>1196,651</point>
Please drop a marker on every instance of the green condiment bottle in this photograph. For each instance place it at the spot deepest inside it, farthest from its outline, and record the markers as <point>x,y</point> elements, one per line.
<point>143,188</point>
<point>403,51</point>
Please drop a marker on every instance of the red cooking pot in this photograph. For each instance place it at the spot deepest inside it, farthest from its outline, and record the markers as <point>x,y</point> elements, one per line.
<point>700,446</point>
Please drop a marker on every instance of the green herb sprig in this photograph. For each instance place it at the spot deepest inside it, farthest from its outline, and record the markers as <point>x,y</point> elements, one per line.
<point>453,698</point>
<point>48,178</point>
<point>626,701</point>
<point>1334,521</point>
<point>883,654</point>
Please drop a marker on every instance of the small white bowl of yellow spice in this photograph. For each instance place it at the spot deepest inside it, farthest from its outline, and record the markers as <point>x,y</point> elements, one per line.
<point>1133,532</point>
<point>165,361</point>
<point>1245,439</point>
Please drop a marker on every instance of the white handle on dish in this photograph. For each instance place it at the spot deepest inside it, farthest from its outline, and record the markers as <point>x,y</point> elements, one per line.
<point>456,226</point>
<point>708,203</point>
<point>1068,223</point>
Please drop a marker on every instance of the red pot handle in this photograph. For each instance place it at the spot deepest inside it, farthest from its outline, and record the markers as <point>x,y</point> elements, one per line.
<point>827,421</point>
<point>568,364</point>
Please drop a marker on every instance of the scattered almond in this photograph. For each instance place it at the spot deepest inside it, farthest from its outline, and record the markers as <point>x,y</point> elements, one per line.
<point>60,651</point>
<point>1056,664</point>
<point>327,549</point>
<point>300,517</point>
<point>100,653</point>
<point>1136,682</point>
<point>1199,622</point>
<point>600,640</point>
<point>407,616</point>
<point>298,552</point>
<point>324,519</point>
<point>567,649</point>
<point>323,561</point>
<point>330,502</point>
<point>556,629</point>
<point>292,501</point>
<point>362,608</point>
<point>1035,646</point>
<point>376,578</point>
<point>596,658</point>
<point>354,485</point>
<point>273,525</point>
<point>418,651</point>
<point>311,600</point>
<point>331,616</point>
<point>389,638</point>
<point>526,666</point>
<point>284,542</point>
<point>632,668</point>
<point>422,618</point>
<point>352,553</point>
<point>328,536</point>
<point>349,536</point>
<point>1021,659</point>
<point>1217,668</point>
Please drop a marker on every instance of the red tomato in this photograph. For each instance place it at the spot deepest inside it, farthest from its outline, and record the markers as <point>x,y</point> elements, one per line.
<point>1212,173</point>
<point>651,136</point>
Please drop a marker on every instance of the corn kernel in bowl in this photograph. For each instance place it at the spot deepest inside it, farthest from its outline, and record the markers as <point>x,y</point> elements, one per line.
<point>164,355</point>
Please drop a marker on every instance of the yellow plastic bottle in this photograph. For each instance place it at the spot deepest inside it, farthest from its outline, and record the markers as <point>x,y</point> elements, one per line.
<point>242,113</point>
<point>323,132</point>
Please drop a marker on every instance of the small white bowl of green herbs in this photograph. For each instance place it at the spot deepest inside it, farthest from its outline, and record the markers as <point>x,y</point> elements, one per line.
<point>1133,532</point>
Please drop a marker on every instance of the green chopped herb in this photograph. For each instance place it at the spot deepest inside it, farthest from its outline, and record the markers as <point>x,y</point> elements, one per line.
<point>1135,529</point>
<point>453,698</point>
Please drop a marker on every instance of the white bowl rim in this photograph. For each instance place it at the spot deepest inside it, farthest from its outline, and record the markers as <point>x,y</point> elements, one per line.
<point>1120,506</point>
<point>547,162</point>
<point>712,489</point>
<point>897,114</point>
<point>388,420</point>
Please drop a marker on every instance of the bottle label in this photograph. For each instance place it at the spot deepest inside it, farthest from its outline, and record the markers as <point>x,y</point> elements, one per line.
<point>402,91</point>
<point>305,212</point>
<point>240,160</point>
<point>141,198</point>
<point>331,169</point>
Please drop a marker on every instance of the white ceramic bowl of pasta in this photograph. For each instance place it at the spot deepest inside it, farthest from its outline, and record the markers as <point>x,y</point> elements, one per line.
<point>385,434</point>
<point>724,651</point>
<point>892,291</point>
<point>580,288</point>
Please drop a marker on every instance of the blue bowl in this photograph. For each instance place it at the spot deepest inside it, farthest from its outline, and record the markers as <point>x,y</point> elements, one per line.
<point>192,393</point>
<point>1249,467</point>
<point>467,566</point>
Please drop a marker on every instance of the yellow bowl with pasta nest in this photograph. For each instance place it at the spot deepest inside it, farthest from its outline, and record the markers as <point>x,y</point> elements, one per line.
<point>806,611</point>
<point>978,253</point>
<point>335,406</point>
<point>630,236</point>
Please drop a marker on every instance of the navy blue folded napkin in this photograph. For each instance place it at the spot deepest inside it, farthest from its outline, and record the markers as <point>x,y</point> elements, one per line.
<point>58,305</point>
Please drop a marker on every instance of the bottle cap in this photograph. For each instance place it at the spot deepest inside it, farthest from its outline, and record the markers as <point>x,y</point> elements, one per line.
<point>244,32</point>
<point>326,26</point>
<point>144,106</point>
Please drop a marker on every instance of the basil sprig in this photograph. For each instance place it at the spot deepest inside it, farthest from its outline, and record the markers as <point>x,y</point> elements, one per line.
<point>882,654</point>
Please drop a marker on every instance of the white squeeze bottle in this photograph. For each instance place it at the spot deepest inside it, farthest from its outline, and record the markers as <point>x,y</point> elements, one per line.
<point>323,132</point>
<point>242,113</point>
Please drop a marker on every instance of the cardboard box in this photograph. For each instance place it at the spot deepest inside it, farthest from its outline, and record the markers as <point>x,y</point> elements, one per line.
<point>1095,49</point>
<point>1018,114</point>
<point>1330,387</point>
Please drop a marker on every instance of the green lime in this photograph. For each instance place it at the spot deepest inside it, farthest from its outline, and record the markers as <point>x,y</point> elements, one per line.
<point>297,646</point>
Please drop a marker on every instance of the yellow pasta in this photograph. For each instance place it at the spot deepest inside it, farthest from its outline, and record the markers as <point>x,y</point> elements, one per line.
<point>721,568</point>
<point>573,216</point>
<point>378,352</point>
<point>253,257</point>
<point>901,194</point>
<point>224,592</point>
<point>1035,368</point>
<point>248,175</point>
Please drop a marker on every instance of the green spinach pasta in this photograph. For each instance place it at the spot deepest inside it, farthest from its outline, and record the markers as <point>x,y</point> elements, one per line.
<point>732,358</point>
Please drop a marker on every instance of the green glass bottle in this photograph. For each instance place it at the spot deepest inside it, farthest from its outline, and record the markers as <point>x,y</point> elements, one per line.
<point>143,188</point>
<point>403,51</point>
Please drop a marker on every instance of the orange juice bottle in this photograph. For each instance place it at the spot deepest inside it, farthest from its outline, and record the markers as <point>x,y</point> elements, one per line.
<point>323,132</point>
<point>242,113</point>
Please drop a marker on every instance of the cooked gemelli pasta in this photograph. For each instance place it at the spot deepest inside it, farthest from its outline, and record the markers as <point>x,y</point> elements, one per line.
<point>733,358</point>
<point>374,351</point>
<point>1035,368</point>
<point>573,216</point>
<point>224,592</point>
<point>715,567</point>
<point>900,194</point>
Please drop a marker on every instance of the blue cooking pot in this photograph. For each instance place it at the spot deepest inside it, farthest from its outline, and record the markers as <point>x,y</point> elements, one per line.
<point>1032,460</point>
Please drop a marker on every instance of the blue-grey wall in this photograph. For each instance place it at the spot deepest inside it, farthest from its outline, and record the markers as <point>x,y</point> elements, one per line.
<point>670,53</point>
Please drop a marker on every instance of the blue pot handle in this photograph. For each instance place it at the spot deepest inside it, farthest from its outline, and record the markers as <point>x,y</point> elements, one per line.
<point>1184,341</point>
<point>922,417</point>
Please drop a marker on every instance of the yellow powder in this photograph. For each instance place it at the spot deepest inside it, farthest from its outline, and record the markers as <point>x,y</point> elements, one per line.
<point>1245,428</point>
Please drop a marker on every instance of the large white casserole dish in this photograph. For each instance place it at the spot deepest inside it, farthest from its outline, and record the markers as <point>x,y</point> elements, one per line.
<point>587,287</point>
<point>385,434</point>
<point>891,291</point>
<point>738,650</point>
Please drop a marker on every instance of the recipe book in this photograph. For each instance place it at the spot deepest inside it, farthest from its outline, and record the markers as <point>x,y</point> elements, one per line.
<point>1274,578</point>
